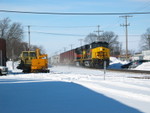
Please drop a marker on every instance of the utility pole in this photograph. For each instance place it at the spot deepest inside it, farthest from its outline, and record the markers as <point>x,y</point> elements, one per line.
<point>126,32</point>
<point>98,32</point>
<point>80,41</point>
<point>71,45</point>
<point>149,41</point>
<point>29,36</point>
<point>64,49</point>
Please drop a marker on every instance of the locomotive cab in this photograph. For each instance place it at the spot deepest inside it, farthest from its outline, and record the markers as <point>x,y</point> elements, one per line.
<point>100,53</point>
<point>93,55</point>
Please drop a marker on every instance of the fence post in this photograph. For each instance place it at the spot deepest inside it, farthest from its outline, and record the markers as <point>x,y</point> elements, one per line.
<point>104,69</point>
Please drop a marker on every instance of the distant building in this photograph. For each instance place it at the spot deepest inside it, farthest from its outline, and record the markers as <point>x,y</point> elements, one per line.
<point>123,57</point>
<point>137,56</point>
<point>54,60</point>
<point>146,55</point>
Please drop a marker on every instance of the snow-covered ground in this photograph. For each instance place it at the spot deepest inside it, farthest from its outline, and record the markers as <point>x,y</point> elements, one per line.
<point>74,90</point>
<point>143,66</point>
<point>116,64</point>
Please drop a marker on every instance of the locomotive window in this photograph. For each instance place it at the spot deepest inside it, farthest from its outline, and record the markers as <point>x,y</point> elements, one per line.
<point>94,45</point>
<point>104,45</point>
<point>100,44</point>
<point>25,54</point>
<point>78,51</point>
<point>32,54</point>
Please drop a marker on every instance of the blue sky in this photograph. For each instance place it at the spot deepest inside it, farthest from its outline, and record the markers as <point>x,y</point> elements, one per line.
<point>55,43</point>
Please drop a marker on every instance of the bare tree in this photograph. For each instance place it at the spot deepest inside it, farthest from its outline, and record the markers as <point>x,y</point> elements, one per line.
<point>4,26</point>
<point>114,45</point>
<point>13,33</point>
<point>34,47</point>
<point>108,36</point>
<point>145,40</point>
<point>90,38</point>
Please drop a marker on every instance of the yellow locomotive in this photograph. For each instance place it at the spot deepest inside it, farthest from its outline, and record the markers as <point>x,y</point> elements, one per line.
<point>93,55</point>
<point>90,55</point>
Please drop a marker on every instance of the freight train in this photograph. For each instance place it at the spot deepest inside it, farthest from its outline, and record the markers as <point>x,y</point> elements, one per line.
<point>91,55</point>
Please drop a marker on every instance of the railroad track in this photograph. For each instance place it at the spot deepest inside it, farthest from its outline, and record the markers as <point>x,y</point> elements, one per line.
<point>147,76</point>
<point>130,71</point>
<point>121,70</point>
<point>147,73</point>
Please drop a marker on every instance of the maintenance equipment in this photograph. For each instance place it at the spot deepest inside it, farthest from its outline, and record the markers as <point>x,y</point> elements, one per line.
<point>33,62</point>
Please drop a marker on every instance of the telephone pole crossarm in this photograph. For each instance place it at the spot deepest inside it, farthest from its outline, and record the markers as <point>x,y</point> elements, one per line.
<point>98,32</point>
<point>126,32</point>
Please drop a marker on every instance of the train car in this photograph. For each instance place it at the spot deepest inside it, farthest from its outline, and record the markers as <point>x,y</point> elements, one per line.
<point>93,55</point>
<point>67,58</point>
<point>2,52</point>
<point>90,55</point>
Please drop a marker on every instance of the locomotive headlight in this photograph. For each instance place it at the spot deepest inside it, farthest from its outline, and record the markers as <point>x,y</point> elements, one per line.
<point>101,49</point>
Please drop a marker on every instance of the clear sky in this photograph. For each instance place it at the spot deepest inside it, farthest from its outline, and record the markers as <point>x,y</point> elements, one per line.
<point>65,24</point>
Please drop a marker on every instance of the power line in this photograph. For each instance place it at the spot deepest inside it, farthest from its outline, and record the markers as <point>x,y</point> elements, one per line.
<point>57,33</point>
<point>133,35</point>
<point>121,35</point>
<point>61,26</point>
<point>74,13</point>
<point>146,5</point>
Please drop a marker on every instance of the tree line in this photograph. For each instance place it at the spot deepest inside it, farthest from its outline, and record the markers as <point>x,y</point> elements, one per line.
<point>116,46</point>
<point>13,33</point>
<point>109,37</point>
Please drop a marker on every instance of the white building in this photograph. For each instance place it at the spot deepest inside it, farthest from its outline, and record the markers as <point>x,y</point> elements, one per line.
<point>145,55</point>
<point>54,60</point>
<point>138,56</point>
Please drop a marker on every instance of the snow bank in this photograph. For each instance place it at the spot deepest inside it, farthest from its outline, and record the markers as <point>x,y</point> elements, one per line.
<point>116,63</point>
<point>143,66</point>
<point>12,66</point>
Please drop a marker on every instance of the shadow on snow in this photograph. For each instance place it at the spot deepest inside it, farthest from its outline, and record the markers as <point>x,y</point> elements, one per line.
<point>56,97</point>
